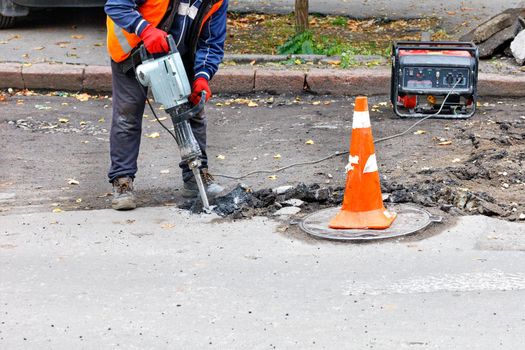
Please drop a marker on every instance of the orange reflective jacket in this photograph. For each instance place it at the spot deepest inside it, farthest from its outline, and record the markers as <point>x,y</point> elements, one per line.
<point>120,43</point>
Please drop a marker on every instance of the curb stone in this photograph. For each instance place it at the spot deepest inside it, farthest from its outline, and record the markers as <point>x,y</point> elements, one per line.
<point>53,76</point>
<point>243,80</point>
<point>11,75</point>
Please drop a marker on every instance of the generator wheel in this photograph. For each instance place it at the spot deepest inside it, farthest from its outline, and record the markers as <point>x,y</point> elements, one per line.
<point>6,22</point>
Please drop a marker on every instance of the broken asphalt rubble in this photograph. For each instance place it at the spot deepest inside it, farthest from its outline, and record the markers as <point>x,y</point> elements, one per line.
<point>503,33</point>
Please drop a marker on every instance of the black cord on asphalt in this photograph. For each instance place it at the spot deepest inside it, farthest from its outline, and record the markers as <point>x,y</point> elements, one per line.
<point>160,122</point>
<point>338,153</point>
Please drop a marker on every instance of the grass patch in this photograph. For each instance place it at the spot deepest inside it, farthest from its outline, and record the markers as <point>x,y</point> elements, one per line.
<point>327,35</point>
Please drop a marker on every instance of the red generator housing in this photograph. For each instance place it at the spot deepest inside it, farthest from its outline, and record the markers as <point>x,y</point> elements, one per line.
<point>434,79</point>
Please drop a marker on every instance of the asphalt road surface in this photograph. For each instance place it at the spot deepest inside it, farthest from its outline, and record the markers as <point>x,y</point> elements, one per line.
<point>87,277</point>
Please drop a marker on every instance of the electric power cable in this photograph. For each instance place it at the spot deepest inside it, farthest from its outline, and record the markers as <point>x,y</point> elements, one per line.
<point>339,153</point>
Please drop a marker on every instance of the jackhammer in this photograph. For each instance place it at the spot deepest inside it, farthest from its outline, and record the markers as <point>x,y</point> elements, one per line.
<point>167,78</point>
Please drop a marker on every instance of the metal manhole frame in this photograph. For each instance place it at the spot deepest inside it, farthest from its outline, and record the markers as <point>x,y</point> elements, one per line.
<point>364,235</point>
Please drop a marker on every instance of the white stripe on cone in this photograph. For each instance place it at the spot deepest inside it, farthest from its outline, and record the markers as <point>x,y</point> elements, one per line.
<point>361,120</point>
<point>371,164</point>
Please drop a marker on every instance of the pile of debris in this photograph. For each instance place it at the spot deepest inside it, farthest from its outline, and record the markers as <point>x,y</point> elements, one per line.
<point>285,201</point>
<point>243,202</point>
<point>502,34</point>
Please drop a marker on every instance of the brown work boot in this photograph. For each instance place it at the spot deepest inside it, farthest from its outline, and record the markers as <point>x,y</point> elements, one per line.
<point>123,197</point>
<point>191,189</point>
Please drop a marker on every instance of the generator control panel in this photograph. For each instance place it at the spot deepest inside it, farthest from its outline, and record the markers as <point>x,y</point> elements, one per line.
<point>431,78</point>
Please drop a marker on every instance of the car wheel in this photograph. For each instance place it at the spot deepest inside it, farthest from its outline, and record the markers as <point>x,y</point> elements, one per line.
<point>6,22</point>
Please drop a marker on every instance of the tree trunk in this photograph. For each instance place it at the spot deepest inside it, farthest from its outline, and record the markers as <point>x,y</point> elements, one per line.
<point>301,15</point>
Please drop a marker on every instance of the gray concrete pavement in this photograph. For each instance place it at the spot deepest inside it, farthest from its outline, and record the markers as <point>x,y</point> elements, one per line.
<point>384,8</point>
<point>157,278</point>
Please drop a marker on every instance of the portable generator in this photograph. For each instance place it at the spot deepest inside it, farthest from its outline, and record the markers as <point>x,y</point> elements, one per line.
<point>434,79</point>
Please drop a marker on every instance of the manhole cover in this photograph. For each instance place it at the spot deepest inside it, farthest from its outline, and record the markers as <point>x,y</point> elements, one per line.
<point>409,220</point>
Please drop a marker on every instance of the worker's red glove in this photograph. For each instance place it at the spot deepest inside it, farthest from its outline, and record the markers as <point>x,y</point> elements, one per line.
<point>199,85</point>
<point>154,39</point>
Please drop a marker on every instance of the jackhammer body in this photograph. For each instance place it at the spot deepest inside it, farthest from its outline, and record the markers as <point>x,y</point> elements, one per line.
<point>170,87</point>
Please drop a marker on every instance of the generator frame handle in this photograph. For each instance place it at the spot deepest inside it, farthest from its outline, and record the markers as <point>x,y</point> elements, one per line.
<point>436,45</point>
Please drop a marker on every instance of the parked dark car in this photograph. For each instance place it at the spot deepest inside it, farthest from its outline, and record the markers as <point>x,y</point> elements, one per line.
<point>10,9</point>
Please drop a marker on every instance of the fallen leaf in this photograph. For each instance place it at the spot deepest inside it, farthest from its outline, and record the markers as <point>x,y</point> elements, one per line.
<point>82,122</point>
<point>310,142</point>
<point>334,62</point>
<point>82,97</point>
<point>153,135</point>
<point>167,226</point>
<point>277,156</point>
<point>165,171</point>
<point>272,177</point>
<point>315,103</point>
<point>77,36</point>
<point>221,157</point>
<point>63,120</point>
<point>420,132</point>
<point>73,182</point>
<point>38,48</point>
<point>79,200</point>
<point>445,143</point>
<point>57,210</point>
<point>101,120</point>
<point>252,104</point>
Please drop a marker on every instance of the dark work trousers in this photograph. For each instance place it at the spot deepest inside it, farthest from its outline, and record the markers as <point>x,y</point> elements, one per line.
<point>126,126</point>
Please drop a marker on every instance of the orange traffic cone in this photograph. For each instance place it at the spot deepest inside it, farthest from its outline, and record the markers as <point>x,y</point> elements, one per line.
<point>363,203</point>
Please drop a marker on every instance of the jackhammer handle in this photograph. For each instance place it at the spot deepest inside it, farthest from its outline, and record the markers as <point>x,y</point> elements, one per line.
<point>145,55</point>
<point>190,113</point>
<point>172,45</point>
